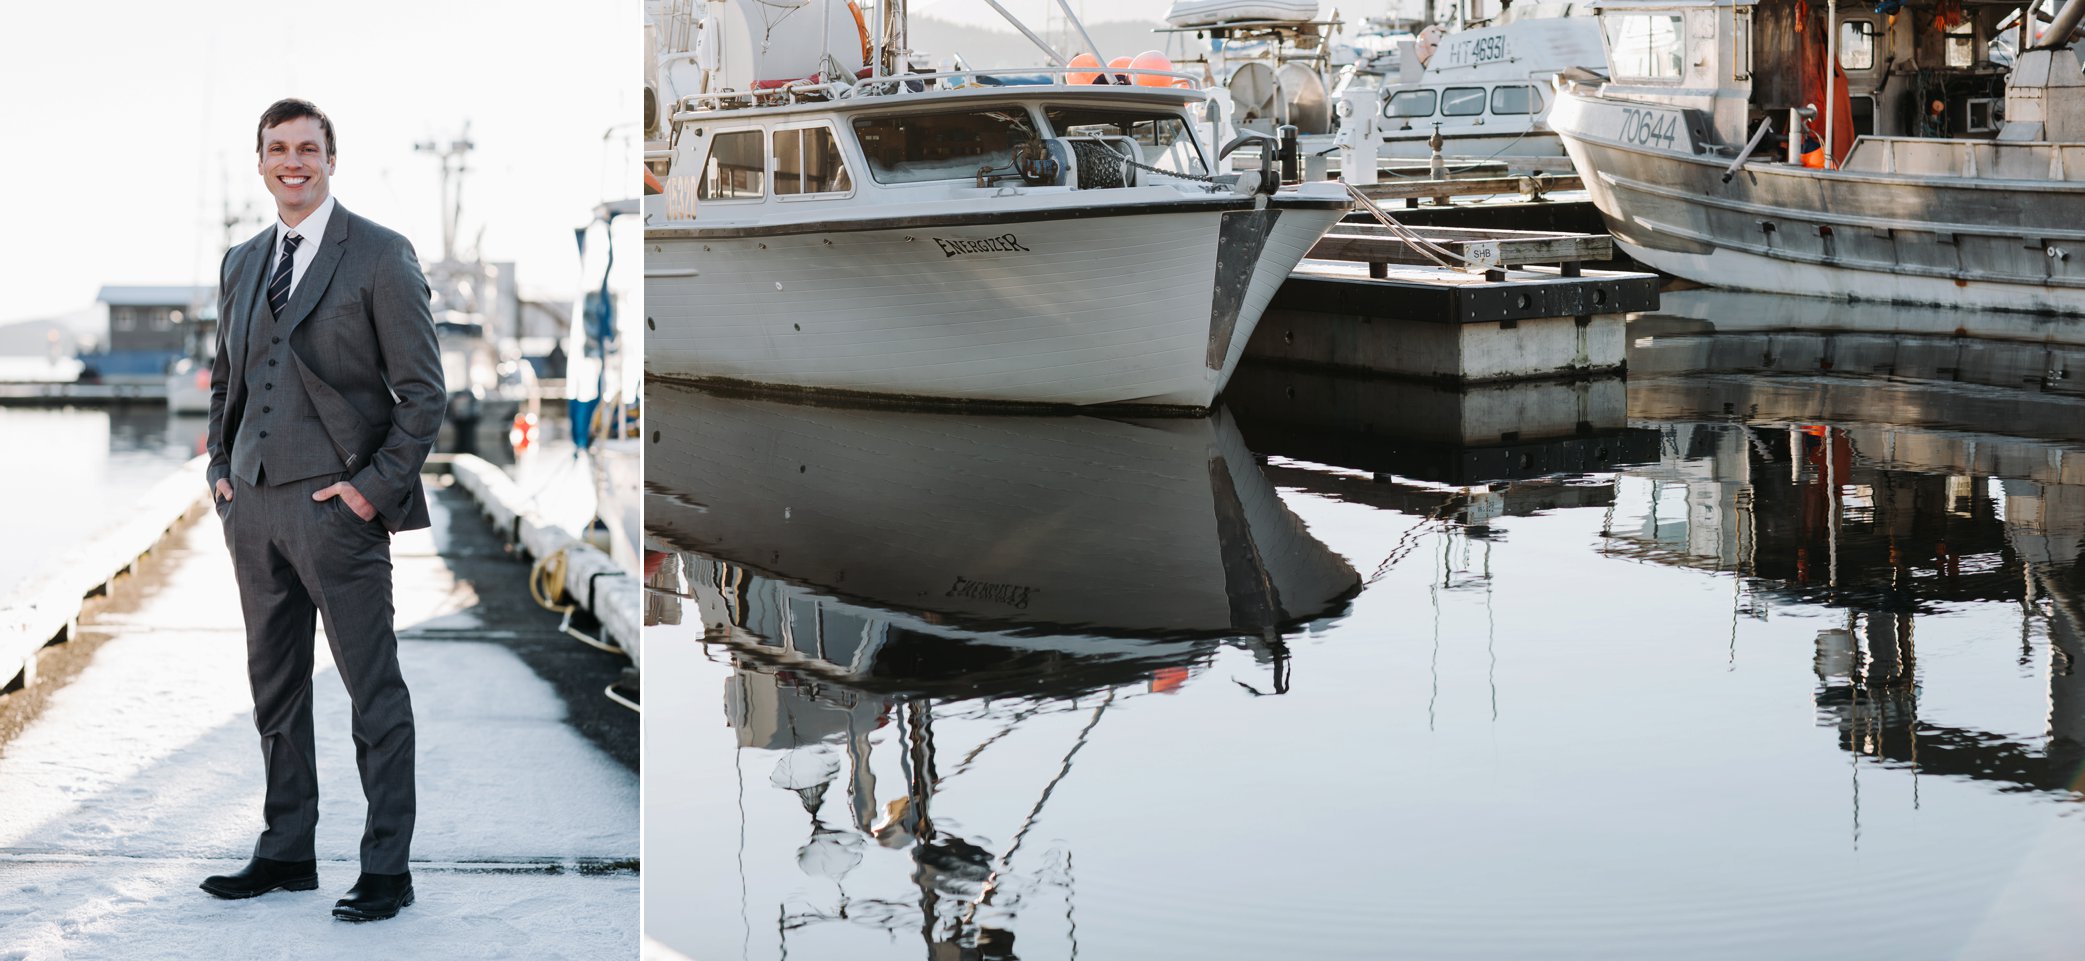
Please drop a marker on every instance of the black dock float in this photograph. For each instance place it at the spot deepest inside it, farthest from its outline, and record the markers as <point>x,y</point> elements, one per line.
<point>1522,296</point>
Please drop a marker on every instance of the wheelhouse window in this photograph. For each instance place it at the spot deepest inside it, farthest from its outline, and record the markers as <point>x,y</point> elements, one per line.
<point>1164,138</point>
<point>737,167</point>
<point>1645,46</point>
<point>1857,45</point>
<point>1411,103</point>
<point>1961,44</point>
<point>1462,101</point>
<point>807,161</point>
<point>947,145</point>
<point>1515,98</point>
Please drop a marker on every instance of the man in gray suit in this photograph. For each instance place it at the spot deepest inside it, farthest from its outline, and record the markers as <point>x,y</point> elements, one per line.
<point>324,402</point>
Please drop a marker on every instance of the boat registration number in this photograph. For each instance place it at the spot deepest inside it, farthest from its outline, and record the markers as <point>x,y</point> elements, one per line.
<point>680,197</point>
<point>1479,50</point>
<point>1650,127</point>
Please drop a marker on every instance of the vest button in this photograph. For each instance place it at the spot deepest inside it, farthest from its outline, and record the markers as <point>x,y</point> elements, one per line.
<point>271,363</point>
<point>268,386</point>
<point>266,410</point>
<point>277,340</point>
<point>264,433</point>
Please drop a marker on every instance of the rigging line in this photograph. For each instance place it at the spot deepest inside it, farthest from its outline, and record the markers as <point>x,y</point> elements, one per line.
<point>1433,592</point>
<point>745,917</point>
<point>964,764</point>
<point>1440,255</point>
<point>1607,518</point>
<point>1408,541</point>
<point>1071,922</point>
<point>1474,164</point>
<point>991,884</point>
<point>1853,734</point>
<point>1491,636</point>
<point>1737,598</point>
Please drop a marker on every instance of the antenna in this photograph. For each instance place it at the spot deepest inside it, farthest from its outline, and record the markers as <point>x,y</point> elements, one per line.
<point>452,156</point>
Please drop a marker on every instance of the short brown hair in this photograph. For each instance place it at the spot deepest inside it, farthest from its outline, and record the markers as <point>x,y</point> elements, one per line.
<point>288,109</point>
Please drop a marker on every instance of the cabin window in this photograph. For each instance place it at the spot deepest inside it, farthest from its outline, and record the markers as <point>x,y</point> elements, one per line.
<point>1515,98</point>
<point>1167,142</point>
<point>1411,103</point>
<point>807,161</point>
<point>737,168</point>
<point>1857,45</point>
<point>1645,46</point>
<point>950,145</point>
<point>1462,101</point>
<point>1961,44</point>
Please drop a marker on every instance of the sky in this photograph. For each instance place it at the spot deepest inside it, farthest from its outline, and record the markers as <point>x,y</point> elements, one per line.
<point>128,125</point>
<point>978,13</point>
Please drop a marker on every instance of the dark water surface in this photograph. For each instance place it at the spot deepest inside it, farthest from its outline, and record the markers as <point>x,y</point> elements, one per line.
<point>1769,652</point>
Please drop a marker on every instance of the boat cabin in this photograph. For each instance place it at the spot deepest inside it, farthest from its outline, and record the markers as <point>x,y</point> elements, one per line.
<point>1496,74</point>
<point>1916,69</point>
<point>759,163</point>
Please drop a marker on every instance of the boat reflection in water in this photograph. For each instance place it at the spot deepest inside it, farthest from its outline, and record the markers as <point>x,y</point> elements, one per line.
<point>867,571</point>
<point>1896,473</point>
<point>1772,651</point>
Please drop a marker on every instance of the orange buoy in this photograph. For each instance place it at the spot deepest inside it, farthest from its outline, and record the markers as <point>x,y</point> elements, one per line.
<point>522,434</point>
<point>1083,60</point>
<point>1152,60</point>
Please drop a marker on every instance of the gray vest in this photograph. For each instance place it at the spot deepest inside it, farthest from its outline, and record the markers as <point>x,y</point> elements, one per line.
<point>280,436</point>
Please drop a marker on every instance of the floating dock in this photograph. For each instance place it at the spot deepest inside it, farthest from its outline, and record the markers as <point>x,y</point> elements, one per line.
<point>1529,310</point>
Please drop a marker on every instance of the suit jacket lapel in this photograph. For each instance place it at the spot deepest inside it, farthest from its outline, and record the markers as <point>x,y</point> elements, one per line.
<point>249,304</point>
<point>319,274</point>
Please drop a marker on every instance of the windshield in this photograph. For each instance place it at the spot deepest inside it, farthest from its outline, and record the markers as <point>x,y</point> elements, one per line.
<point>1164,138</point>
<point>946,145</point>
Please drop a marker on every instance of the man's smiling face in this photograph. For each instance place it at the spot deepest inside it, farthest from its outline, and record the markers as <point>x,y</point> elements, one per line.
<point>295,166</point>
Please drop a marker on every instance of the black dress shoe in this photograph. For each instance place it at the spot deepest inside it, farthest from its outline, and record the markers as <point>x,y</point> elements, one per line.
<point>262,875</point>
<point>375,897</point>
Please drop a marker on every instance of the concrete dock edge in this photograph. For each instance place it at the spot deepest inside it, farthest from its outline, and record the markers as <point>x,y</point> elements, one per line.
<point>592,578</point>
<point>45,608</point>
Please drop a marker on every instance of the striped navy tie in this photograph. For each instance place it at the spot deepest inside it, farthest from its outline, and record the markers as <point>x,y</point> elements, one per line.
<point>279,285</point>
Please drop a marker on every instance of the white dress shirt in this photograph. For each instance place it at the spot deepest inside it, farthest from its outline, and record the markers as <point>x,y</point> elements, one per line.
<point>313,229</point>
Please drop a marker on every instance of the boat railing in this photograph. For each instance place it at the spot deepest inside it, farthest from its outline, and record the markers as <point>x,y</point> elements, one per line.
<point>937,81</point>
<point>1999,160</point>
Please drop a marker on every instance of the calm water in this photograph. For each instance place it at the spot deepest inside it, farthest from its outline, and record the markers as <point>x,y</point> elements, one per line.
<point>1770,652</point>
<point>74,472</point>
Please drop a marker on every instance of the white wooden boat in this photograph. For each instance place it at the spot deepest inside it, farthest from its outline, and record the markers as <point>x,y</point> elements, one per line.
<point>955,236</point>
<point>1898,202</point>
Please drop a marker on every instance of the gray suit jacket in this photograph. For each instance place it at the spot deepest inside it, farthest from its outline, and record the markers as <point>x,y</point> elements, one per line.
<point>364,349</point>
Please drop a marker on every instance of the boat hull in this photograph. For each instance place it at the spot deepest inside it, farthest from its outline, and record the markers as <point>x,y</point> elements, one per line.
<point>1978,242</point>
<point>1047,531</point>
<point>1524,144</point>
<point>1120,304</point>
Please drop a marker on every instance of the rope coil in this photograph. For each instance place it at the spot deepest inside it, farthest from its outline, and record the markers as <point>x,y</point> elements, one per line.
<point>546,585</point>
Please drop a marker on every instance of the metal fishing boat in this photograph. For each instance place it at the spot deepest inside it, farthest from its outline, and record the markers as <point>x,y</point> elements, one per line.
<point>1924,171</point>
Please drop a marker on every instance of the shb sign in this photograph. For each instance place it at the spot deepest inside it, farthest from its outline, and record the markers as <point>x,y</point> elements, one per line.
<point>1003,244</point>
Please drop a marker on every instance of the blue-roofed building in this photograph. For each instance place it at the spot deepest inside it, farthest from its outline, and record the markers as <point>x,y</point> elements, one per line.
<point>150,327</point>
